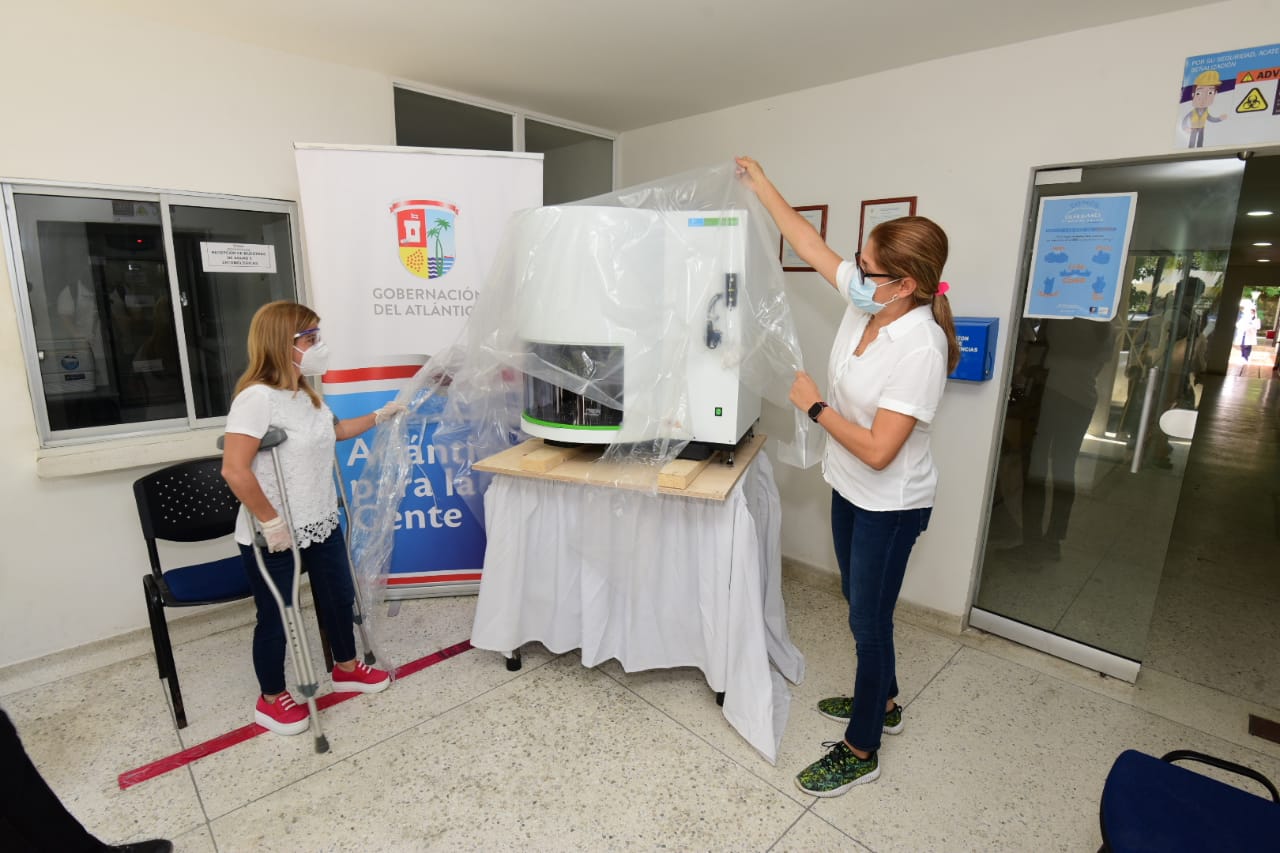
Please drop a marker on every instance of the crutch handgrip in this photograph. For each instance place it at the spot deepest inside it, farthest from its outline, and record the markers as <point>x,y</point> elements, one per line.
<point>273,437</point>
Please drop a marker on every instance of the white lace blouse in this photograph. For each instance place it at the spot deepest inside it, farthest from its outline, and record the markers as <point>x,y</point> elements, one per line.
<point>306,457</point>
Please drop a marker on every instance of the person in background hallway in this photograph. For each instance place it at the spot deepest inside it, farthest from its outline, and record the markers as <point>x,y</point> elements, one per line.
<point>284,347</point>
<point>1247,331</point>
<point>33,819</point>
<point>887,369</point>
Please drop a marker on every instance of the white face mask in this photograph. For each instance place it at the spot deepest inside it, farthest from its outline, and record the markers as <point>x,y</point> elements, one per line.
<point>314,361</point>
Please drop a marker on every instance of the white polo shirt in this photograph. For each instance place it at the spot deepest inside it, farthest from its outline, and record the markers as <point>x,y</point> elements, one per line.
<point>903,370</point>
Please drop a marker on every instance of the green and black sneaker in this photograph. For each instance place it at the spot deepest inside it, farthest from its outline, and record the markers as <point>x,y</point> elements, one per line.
<point>838,771</point>
<point>839,708</point>
<point>893,720</point>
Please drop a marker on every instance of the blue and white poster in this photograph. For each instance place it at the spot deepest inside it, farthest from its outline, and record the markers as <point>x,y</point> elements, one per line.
<point>399,244</point>
<point>1081,245</point>
<point>1230,98</point>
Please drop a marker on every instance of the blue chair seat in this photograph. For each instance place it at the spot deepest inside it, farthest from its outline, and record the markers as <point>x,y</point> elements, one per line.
<point>218,580</point>
<point>1149,804</point>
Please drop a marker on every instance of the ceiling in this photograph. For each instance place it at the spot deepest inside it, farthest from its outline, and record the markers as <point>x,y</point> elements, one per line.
<point>1260,191</point>
<point>617,65</point>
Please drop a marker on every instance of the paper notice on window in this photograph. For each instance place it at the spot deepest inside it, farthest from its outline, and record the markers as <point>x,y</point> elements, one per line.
<point>238,257</point>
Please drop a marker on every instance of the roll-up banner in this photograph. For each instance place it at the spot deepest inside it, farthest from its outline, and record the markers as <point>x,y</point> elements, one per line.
<point>399,243</point>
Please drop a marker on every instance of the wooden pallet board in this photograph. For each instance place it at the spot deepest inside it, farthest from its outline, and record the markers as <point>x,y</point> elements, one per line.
<point>680,473</point>
<point>713,479</point>
<point>545,458</point>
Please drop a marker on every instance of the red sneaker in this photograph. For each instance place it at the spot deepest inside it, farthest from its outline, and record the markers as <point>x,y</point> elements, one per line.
<point>283,716</point>
<point>362,679</point>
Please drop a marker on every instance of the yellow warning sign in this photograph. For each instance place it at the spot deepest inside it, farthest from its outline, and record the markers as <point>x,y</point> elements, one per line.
<point>1253,102</point>
<point>1245,78</point>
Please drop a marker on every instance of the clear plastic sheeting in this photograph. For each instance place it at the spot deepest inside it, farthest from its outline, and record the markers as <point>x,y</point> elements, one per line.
<point>648,322</point>
<point>395,458</point>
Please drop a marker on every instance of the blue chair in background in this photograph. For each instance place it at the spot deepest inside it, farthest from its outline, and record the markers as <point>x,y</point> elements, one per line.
<point>1152,804</point>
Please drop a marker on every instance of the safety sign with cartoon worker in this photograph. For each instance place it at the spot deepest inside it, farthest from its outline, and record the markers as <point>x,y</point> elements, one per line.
<point>1230,98</point>
<point>1206,86</point>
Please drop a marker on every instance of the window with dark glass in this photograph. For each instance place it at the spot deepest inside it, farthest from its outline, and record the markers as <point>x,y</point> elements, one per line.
<point>576,164</point>
<point>122,336</point>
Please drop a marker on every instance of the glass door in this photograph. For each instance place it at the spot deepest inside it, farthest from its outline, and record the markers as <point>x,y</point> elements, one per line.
<point>1099,420</point>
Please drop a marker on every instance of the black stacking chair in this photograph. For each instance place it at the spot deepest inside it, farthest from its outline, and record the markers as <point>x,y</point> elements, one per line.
<point>189,502</point>
<point>1152,804</point>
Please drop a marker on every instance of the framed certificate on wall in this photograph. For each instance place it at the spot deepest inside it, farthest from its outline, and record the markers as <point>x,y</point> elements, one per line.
<point>880,210</point>
<point>815,215</point>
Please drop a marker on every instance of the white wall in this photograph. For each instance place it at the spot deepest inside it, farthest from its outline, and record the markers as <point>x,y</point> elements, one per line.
<point>962,134</point>
<point>103,99</point>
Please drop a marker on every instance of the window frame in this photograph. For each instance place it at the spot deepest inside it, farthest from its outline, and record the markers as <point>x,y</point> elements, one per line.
<point>164,198</point>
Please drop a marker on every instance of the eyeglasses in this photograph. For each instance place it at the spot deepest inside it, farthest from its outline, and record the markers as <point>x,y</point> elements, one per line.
<point>310,337</point>
<point>857,259</point>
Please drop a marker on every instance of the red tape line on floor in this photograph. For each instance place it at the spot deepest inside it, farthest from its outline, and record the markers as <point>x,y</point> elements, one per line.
<point>214,745</point>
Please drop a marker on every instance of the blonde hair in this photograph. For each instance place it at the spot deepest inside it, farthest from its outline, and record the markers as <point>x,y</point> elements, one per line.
<point>271,336</point>
<point>915,247</point>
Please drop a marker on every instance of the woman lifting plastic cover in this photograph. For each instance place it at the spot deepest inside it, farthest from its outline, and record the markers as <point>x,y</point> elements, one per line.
<point>887,369</point>
<point>285,346</point>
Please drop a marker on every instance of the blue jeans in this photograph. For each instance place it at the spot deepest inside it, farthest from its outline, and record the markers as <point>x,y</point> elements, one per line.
<point>331,588</point>
<point>872,549</point>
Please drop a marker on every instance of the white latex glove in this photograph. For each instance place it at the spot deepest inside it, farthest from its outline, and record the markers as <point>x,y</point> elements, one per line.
<point>276,532</point>
<point>389,411</point>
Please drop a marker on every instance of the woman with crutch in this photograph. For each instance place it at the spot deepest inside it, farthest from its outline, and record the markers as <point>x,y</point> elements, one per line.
<point>285,346</point>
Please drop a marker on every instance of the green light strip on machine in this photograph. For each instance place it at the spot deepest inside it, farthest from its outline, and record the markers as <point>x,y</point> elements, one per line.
<point>534,420</point>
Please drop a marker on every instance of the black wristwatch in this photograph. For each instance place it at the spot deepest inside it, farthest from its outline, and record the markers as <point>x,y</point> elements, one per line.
<point>815,411</point>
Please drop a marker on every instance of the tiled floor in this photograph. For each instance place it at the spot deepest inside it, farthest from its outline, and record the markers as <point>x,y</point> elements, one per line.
<point>1004,748</point>
<point>1215,620</point>
<point>1261,363</point>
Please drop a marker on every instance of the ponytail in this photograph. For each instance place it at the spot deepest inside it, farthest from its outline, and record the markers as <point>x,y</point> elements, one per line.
<point>915,246</point>
<point>942,316</point>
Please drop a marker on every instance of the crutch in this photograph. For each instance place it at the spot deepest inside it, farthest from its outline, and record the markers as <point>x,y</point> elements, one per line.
<point>369,657</point>
<point>289,613</point>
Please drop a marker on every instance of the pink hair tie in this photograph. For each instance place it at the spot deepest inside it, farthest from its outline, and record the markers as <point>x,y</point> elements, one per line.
<point>943,287</point>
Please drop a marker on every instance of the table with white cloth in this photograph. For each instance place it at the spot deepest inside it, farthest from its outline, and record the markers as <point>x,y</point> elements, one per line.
<point>651,578</point>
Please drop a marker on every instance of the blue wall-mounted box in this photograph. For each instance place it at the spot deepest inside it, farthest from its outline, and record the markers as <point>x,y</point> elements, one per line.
<point>977,336</point>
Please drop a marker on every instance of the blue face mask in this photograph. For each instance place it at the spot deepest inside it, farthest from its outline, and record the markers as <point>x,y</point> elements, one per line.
<point>862,292</point>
